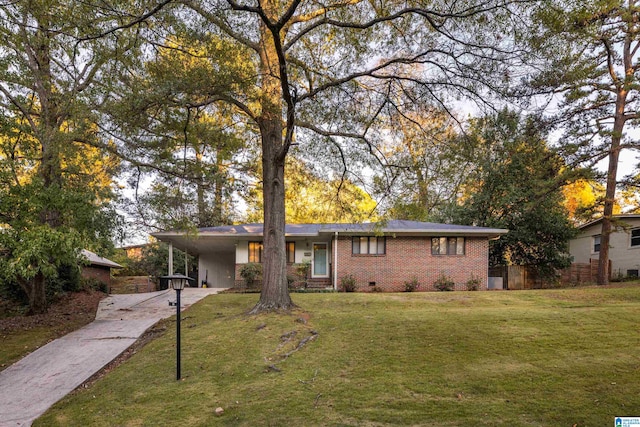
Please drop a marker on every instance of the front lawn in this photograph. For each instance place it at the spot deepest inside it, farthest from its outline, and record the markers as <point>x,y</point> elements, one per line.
<point>524,358</point>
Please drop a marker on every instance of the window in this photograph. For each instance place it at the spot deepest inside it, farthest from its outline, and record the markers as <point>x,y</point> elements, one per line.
<point>596,243</point>
<point>632,273</point>
<point>447,246</point>
<point>635,237</point>
<point>368,245</point>
<point>255,251</point>
<point>291,252</point>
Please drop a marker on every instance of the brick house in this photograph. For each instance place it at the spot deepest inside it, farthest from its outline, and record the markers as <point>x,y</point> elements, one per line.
<point>379,256</point>
<point>98,268</point>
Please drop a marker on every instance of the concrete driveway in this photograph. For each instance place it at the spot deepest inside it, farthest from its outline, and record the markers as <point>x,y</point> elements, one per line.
<point>30,386</point>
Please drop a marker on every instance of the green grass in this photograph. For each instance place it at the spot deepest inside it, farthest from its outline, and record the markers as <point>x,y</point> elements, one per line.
<point>525,358</point>
<point>17,345</point>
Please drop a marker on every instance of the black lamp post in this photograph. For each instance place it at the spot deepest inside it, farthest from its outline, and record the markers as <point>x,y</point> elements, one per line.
<point>177,282</point>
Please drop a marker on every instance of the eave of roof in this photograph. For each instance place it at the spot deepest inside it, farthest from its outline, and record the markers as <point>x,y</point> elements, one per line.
<point>615,217</point>
<point>311,230</point>
<point>95,259</point>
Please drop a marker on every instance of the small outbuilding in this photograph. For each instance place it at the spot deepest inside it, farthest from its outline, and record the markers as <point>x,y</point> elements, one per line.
<point>99,268</point>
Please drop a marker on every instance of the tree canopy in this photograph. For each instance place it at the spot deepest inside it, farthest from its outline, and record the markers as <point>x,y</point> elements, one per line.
<point>516,184</point>
<point>587,52</point>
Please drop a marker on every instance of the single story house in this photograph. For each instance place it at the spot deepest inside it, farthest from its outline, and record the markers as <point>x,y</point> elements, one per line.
<point>624,244</point>
<point>382,256</point>
<point>98,268</point>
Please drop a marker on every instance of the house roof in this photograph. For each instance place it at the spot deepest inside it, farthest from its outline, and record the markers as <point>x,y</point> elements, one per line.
<point>620,217</point>
<point>214,237</point>
<point>95,259</point>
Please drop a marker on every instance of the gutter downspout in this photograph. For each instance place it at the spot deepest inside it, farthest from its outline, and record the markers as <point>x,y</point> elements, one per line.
<point>335,263</point>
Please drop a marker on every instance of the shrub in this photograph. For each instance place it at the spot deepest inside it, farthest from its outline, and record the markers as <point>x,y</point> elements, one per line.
<point>88,283</point>
<point>348,283</point>
<point>250,273</point>
<point>473,284</point>
<point>294,282</point>
<point>303,269</point>
<point>411,285</point>
<point>444,283</point>
<point>377,289</point>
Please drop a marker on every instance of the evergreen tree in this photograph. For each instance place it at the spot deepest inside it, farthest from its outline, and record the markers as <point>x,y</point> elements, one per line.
<point>517,185</point>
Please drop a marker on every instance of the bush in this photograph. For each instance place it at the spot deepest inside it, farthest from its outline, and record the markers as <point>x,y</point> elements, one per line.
<point>444,283</point>
<point>250,273</point>
<point>89,283</point>
<point>411,285</point>
<point>348,283</point>
<point>473,284</point>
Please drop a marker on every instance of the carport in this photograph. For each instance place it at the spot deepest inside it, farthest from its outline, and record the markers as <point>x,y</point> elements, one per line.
<point>216,255</point>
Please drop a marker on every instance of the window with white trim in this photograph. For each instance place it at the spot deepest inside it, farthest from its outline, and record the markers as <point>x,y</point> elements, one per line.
<point>596,243</point>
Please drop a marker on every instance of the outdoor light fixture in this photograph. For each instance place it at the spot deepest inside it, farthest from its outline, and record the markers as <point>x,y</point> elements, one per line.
<point>177,282</point>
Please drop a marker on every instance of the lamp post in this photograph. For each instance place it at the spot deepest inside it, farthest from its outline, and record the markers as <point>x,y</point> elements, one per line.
<point>177,282</point>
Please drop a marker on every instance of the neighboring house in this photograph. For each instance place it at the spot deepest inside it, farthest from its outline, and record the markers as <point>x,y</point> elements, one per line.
<point>134,252</point>
<point>384,256</point>
<point>624,244</point>
<point>99,268</point>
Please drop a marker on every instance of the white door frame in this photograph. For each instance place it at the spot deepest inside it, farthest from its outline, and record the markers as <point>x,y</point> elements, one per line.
<point>313,260</point>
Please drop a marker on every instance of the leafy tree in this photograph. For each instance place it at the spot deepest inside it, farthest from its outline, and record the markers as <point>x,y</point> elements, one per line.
<point>517,185</point>
<point>54,188</point>
<point>588,53</point>
<point>328,69</point>
<point>154,260</point>
<point>310,198</point>
<point>424,171</point>
<point>583,200</point>
<point>170,128</point>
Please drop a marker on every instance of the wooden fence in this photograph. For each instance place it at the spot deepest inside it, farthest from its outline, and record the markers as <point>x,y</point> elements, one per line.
<point>525,277</point>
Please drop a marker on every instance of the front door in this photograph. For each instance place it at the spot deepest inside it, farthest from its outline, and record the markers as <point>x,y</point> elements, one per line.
<point>320,260</point>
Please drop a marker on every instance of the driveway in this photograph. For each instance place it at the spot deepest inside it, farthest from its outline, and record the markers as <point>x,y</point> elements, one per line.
<point>30,386</point>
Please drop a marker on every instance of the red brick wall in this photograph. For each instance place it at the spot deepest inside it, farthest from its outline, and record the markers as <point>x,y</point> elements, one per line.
<point>102,274</point>
<point>409,257</point>
<point>292,272</point>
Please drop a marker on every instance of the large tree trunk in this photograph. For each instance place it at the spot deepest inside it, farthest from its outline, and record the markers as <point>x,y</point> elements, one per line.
<point>219,186</point>
<point>36,293</point>
<point>610,194</point>
<point>275,293</point>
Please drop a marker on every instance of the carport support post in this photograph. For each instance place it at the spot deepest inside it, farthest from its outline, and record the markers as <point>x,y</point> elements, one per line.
<point>170,269</point>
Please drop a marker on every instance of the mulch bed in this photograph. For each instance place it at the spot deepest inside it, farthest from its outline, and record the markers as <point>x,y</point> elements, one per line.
<point>68,313</point>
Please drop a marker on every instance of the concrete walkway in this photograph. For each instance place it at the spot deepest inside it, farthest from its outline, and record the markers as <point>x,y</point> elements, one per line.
<point>30,386</point>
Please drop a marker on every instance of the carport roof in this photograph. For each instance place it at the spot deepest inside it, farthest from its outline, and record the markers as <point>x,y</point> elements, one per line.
<point>224,237</point>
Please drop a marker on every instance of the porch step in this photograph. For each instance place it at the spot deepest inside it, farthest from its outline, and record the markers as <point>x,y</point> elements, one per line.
<point>318,283</point>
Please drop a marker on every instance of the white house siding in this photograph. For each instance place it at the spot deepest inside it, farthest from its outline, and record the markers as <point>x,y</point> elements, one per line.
<point>303,249</point>
<point>217,268</point>
<point>623,257</point>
